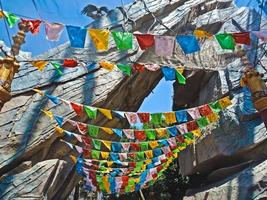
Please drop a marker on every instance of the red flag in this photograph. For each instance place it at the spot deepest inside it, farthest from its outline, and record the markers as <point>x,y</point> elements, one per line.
<point>145,40</point>
<point>144,117</point>
<point>138,67</point>
<point>132,155</point>
<point>205,110</point>
<point>140,135</point>
<point>77,108</point>
<point>180,139</point>
<point>135,147</point>
<point>159,168</point>
<point>87,141</point>
<point>132,164</point>
<point>242,38</point>
<point>191,126</point>
<point>86,153</point>
<point>82,127</point>
<point>70,63</point>
<point>34,25</point>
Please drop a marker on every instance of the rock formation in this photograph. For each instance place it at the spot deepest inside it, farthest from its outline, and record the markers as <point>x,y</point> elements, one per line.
<point>229,162</point>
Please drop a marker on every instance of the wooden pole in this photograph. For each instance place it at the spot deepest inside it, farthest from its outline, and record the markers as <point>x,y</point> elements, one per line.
<point>9,65</point>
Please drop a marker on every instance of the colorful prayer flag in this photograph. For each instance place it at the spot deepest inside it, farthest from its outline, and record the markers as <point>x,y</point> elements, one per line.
<point>100,38</point>
<point>225,40</point>
<point>168,73</point>
<point>11,19</point>
<point>93,130</point>
<point>40,65</point>
<point>90,111</point>
<point>125,68</point>
<point>144,117</point>
<point>170,117</point>
<point>145,41</point>
<point>53,31</point>
<point>107,65</point>
<point>181,116</point>
<point>202,34</point>
<point>123,40</point>
<point>70,63</point>
<point>131,117</point>
<point>242,38</point>
<point>33,25</point>
<point>77,36</point>
<point>188,43</point>
<point>180,77</point>
<point>164,45</point>
<point>106,113</point>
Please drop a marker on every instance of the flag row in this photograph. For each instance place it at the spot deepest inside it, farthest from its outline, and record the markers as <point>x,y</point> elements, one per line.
<point>173,117</point>
<point>164,45</point>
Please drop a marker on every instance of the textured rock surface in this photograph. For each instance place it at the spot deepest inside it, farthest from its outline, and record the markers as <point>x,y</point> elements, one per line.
<point>35,164</point>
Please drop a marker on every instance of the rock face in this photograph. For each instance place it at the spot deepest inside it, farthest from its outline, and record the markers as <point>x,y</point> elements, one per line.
<point>34,164</point>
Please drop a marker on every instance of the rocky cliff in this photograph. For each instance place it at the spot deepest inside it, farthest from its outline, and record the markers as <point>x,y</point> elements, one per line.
<point>226,163</point>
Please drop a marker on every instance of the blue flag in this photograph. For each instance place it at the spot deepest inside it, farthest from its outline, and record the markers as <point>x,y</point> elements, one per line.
<point>173,131</point>
<point>77,36</point>
<point>181,116</point>
<point>169,73</point>
<point>54,99</point>
<point>116,146</point>
<point>188,43</point>
<point>118,132</point>
<point>59,120</point>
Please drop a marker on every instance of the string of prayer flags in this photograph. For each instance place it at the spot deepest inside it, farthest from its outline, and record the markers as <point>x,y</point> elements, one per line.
<point>164,45</point>
<point>242,38</point>
<point>226,40</point>
<point>77,36</point>
<point>123,40</point>
<point>53,31</point>
<point>145,41</point>
<point>33,25</point>
<point>100,38</point>
<point>11,18</point>
<point>188,43</point>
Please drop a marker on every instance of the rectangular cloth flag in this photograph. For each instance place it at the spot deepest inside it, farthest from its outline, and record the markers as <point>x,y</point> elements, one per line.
<point>11,19</point>
<point>168,73</point>
<point>181,116</point>
<point>53,31</point>
<point>100,38</point>
<point>242,38</point>
<point>156,118</point>
<point>202,34</point>
<point>77,36</point>
<point>33,25</point>
<point>123,40</point>
<point>188,43</point>
<point>125,69</point>
<point>145,41</point>
<point>164,45</point>
<point>144,117</point>
<point>226,40</point>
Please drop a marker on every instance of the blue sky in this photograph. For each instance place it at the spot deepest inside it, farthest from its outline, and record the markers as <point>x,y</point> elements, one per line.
<point>69,13</point>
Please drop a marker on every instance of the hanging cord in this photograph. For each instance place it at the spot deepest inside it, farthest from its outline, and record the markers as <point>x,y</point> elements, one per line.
<point>7,30</point>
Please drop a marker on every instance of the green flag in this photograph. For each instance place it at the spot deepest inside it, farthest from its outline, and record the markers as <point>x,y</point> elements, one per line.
<point>11,19</point>
<point>140,155</point>
<point>215,106</point>
<point>93,130</point>
<point>202,122</point>
<point>128,188</point>
<point>125,68</point>
<point>131,182</point>
<point>181,79</point>
<point>57,66</point>
<point>156,118</point>
<point>123,40</point>
<point>95,154</point>
<point>150,134</point>
<point>189,136</point>
<point>97,144</point>
<point>226,40</point>
<point>144,146</point>
<point>91,112</point>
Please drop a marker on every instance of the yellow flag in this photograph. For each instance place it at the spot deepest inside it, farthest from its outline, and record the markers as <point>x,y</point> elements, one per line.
<point>107,144</point>
<point>100,38</point>
<point>161,132</point>
<point>48,114</point>
<point>40,65</point>
<point>225,102</point>
<point>74,159</point>
<point>105,112</point>
<point>149,154</point>
<point>175,155</point>
<point>170,117</point>
<point>153,144</point>
<point>148,161</point>
<point>180,69</point>
<point>106,183</point>
<point>202,34</point>
<point>197,132</point>
<point>107,65</point>
<point>2,14</point>
<point>181,148</point>
<point>39,92</point>
<point>104,155</point>
<point>59,130</point>
<point>137,180</point>
<point>110,163</point>
<point>107,130</point>
<point>213,117</point>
